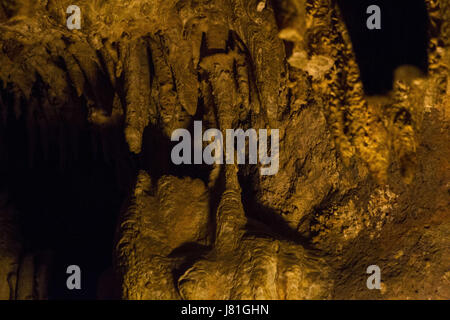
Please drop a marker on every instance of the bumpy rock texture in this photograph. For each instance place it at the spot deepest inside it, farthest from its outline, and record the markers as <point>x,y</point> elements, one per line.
<point>362,180</point>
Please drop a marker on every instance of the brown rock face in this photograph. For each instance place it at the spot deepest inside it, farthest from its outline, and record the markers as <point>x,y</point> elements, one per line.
<point>87,118</point>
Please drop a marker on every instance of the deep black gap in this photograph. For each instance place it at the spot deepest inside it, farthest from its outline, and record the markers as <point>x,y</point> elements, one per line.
<point>156,157</point>
<point>71,209</point>
<point>402,40</point>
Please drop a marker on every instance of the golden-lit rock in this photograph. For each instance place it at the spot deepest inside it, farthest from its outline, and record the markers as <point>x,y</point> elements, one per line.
<point>362,180</point>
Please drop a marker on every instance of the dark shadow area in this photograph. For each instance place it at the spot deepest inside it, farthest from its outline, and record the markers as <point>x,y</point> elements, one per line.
<point>156,156</point>
<point>68,201</point>
<point>263,221</point>
<point>185,257</point>
<point>402,39</point>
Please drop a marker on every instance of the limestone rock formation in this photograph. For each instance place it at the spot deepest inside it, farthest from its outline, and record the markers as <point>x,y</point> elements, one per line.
<point>362,179</point>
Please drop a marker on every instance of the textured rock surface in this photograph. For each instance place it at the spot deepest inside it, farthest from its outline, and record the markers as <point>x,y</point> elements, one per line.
<point>362,180</point>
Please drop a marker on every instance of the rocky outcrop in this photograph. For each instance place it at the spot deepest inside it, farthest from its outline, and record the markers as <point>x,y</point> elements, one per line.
<point>362,180</point>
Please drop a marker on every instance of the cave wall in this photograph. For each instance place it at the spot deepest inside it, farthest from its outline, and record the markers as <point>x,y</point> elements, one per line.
<point>362,179</point>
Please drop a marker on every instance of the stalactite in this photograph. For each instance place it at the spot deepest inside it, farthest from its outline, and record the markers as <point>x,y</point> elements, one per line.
<point>357,176</point>
<point>99,91</point>
<point>109,57</point>
<point>75,74</point>
<point>32,131</point>
<point>259,32</point>
<point>168,103</point>
<point>184,73</point>
<point>139,108</point>
<point>43,125</point>
<point>4,109</point>
<point>62,147</point>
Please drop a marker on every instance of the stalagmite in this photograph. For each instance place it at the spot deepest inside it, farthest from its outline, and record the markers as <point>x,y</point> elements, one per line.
<point>10,247</point>
<point>146,226</point>
<point>230,216</point>
<point>43,273</point>
<point>25,278</point>
<point>17,104</point>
